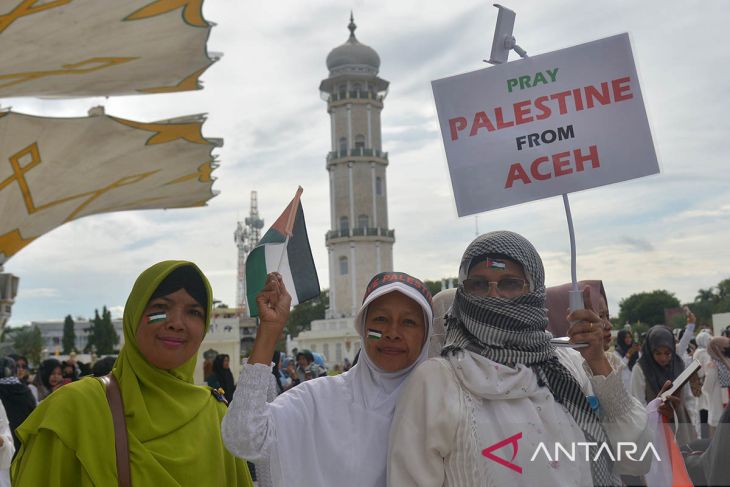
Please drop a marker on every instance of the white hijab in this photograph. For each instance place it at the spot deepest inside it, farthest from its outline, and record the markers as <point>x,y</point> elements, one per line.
<point>374,388</point>
<point>333,431</point>
<point>703,339</point>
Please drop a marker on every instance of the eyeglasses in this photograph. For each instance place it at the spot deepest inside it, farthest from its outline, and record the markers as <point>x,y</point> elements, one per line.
<point>509,287</point>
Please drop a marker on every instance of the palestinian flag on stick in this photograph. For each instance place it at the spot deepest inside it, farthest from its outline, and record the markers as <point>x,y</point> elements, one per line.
<point>284,248</point>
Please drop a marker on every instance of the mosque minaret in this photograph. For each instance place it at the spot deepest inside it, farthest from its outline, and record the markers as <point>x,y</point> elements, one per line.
<point>359,244</point>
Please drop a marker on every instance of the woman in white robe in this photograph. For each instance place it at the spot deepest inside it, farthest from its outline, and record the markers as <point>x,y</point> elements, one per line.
<point>332,431</point>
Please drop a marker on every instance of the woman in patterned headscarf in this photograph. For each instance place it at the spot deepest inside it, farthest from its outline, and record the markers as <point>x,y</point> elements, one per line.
<point>173,426</point>
<point>500,383</point>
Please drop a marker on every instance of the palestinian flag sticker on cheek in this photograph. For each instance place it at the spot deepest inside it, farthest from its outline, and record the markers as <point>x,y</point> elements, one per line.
<point>153,318</point>
<point>374,334</point>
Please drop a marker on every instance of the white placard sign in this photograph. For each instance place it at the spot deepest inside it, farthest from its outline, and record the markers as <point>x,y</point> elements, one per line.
<point>551,124</point>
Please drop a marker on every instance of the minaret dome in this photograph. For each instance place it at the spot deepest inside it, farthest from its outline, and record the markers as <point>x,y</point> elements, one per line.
<point>352,56</point>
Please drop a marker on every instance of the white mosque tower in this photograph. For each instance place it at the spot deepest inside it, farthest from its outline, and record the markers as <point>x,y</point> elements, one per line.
<point>359,244</point>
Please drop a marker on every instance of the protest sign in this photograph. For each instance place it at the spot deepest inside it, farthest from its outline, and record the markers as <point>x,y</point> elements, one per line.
<point>547,125</point>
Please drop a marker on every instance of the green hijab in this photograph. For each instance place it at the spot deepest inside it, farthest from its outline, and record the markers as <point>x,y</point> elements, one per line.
<point>173,425</point>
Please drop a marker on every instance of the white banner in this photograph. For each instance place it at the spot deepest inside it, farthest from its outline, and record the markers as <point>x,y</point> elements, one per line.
<point>551,124</point>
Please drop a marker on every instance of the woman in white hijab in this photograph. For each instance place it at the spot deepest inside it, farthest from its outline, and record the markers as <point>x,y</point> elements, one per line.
<point>332,431</point>
<point>717,348</point>
<point>710,387</point>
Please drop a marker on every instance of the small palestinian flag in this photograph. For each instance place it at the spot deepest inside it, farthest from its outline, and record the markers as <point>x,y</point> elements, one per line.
<point>496,264</point>
<point>374,334</point>
<point>283,248</point>
<point>153,318</point>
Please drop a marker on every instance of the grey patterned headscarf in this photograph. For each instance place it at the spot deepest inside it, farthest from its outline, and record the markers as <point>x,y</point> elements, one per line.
<point>507,331</point>
<point>513,331</point>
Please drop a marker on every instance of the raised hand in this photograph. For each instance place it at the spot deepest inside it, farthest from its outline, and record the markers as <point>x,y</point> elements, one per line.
<point>588,328</point>
<point>273,302</point>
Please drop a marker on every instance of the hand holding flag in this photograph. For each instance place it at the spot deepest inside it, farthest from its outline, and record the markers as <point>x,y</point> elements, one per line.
<point>273,303</point>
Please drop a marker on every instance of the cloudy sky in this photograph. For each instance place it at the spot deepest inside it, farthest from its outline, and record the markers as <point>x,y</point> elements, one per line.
<point>668,231</point>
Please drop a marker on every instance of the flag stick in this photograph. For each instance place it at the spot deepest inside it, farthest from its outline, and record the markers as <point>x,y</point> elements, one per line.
<point>503,43</point>
<point>289,221</point>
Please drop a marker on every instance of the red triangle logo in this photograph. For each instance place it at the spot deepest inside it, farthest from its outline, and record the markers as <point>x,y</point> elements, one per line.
<point>512,440</point>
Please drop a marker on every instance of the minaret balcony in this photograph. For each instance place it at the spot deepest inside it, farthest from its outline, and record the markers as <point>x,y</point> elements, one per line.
<point>360,233</point>
<point>355,95</point>
<point>357,152</point>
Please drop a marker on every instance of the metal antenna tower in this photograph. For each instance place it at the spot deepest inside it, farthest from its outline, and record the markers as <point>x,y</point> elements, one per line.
<point>246,236</point>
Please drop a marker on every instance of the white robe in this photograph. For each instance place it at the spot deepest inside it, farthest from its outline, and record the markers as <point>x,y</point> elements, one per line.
<point>452,410</point>
<point>313,434</point>
<point>7,450</point>
<point>329,431</point>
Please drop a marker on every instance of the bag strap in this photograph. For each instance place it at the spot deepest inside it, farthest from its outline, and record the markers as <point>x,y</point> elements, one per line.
<point>114,397</point>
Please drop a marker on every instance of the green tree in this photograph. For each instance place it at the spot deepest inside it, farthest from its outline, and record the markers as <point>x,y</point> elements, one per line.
<point>723,288</point>
<point>69,336</point>
<point>303,314</point>
<point>706,295</point>
<point>715,299</point>
<point>106,336</point>
<point>29,342</point>
<point>102,334</point>
<point>723,297</point>
<point>647,307</point>
<point>90,341</point>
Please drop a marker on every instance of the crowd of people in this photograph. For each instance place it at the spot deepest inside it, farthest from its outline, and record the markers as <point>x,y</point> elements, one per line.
<point>439,387</point>
<point>22,389</point>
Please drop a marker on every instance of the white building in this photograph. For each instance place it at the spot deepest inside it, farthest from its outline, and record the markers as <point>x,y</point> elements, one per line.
<point>52,334</point>
<point>359,244</point>
<point>223,337</point>
<point>231,332</point>
<point>335,338</point>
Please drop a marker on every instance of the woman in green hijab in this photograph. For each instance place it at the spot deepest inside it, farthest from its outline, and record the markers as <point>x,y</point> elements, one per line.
<point>173,426</point>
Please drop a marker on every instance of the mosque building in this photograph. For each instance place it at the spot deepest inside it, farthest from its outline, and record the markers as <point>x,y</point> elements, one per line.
<point>360,243</point>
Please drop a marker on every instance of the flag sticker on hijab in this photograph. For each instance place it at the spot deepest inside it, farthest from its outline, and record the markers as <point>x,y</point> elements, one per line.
<point>153,318</point>
<point>374,334</point>
<point>284,248</point>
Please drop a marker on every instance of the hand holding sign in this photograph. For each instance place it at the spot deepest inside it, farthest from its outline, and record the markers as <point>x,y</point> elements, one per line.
<point>588,328</point>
